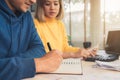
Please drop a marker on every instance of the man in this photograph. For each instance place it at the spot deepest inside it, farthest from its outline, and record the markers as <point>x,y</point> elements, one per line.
<point>20,46</point>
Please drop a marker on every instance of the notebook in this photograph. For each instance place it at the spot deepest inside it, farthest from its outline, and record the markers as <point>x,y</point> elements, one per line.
<point>71,66</point>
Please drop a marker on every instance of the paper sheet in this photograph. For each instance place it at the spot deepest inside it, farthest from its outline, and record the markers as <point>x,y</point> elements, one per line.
<point>114,65</point>
<point>70,66</point>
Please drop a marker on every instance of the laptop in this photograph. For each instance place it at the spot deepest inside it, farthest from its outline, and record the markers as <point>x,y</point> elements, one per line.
<point>113,42</point>
<point>112,48</point>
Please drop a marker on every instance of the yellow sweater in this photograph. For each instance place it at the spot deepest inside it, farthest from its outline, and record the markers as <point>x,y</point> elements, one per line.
<point>53,31</point>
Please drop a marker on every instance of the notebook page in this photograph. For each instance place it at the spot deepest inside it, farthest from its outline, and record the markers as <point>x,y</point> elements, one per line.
<point>70,66</point>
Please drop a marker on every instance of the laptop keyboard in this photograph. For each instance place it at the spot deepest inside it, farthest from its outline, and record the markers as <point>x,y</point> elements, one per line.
<point>106,57</point>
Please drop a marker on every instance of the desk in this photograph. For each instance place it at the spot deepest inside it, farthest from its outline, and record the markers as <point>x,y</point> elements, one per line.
<point>89,73</point>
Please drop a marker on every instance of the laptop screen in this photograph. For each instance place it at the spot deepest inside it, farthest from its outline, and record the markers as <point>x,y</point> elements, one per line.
<point>113,42</point>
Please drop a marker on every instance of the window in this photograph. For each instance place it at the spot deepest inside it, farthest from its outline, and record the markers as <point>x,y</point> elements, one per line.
<point>90,20</point>
<point>74,20</point>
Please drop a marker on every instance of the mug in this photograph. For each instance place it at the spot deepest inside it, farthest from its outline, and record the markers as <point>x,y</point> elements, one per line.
<point>87,44</point>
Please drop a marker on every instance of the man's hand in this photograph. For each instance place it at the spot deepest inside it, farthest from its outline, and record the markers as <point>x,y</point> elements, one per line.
<point>50,62</point>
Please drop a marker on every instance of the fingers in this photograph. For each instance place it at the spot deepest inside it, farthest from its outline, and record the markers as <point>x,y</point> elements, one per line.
<point>55,54</point>
<point>56,51</point>
<point>85,53</point>
<point>92,52</point>
<point>88,52</point>
<point>50,62</point>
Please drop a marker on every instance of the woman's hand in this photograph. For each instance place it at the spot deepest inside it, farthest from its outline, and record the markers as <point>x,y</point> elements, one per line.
<point>84,53</point>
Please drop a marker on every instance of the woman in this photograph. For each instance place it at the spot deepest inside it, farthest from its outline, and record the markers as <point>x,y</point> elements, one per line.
<point>51,29</point>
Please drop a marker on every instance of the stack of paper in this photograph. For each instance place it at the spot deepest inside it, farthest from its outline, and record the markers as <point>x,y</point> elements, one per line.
<point>114,65</point>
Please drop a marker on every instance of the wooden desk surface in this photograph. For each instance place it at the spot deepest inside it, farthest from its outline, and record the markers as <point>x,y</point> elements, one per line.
<point>89,73</point>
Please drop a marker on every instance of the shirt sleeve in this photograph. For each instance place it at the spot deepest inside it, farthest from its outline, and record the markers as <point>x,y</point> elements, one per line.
<point>66,46</point>
<point>16,68</point>
<point>36,48</point>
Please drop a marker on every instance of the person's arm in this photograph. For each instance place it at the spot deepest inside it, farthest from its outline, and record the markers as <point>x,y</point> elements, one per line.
<point>22,65</point>
<point>35,49</point>
<point>16,68</point>
<point>83,53</point>
<point>49,63</point>
<point>74,52</point>
<point>35,46</point>
<point>66,47</point>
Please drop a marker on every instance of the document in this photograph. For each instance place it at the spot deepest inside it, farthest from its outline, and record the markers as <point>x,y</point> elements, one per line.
<point>70,66</point>
<point>113,65</point>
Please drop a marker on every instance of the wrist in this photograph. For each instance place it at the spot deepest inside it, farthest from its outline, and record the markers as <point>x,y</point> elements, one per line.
<point>78,53</point>
<point>37,63</point>
<point>72,55</point>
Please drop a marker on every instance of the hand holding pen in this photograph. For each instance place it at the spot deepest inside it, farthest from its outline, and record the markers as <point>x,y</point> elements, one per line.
<point>49,62</point>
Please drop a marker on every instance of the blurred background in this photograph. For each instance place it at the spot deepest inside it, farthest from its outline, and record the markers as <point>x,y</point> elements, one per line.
<point>90,20</point>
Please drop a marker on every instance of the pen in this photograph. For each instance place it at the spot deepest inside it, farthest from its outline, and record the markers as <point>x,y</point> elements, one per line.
<point>49,47</point>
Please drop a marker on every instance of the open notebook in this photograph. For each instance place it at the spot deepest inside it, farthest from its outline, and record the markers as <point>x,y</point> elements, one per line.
<point>70,66</point>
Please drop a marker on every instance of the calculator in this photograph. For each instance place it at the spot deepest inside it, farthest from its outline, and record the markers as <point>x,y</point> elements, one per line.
<point>106,57</point>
